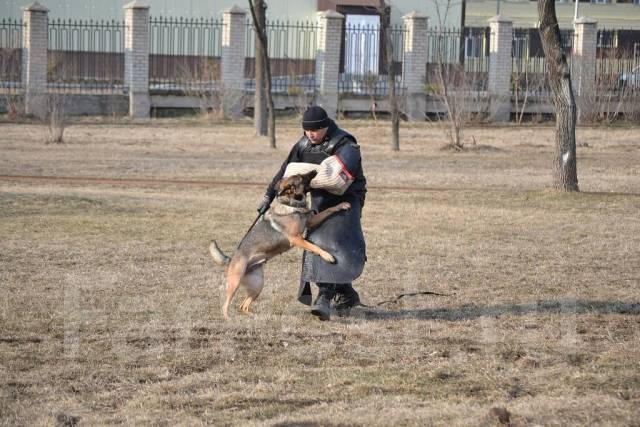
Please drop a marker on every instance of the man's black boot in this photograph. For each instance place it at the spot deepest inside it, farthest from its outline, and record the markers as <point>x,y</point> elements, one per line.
<point>322,304</point>
<point>345,299</point>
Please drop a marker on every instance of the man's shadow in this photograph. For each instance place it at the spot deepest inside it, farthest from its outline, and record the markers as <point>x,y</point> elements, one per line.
<point>474,311</point>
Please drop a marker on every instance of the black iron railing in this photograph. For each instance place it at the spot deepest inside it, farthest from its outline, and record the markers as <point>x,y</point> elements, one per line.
<point>292,51</point>
<point>618,61</point>
<point>86,56</point>
<point>10,54</point>
<point>363,65</point>
<point>530,77</point>
<point>184,54</point>
<point>458,58</point>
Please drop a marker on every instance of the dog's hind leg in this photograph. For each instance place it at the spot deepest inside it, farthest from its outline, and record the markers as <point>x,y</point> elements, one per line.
<point>253,281</point>
<point>235,274</point>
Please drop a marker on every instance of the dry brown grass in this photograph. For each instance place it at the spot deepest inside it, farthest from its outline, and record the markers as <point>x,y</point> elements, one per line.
<point>111,308</point>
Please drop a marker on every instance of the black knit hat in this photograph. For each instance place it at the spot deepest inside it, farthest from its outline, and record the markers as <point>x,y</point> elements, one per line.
<point>315,118</point>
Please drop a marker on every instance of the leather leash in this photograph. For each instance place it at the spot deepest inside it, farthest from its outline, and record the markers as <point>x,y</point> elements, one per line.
<point>250,228</point>
<point>399,297</point>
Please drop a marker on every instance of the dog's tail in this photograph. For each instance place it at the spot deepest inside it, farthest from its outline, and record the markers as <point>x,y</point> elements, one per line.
<point>218,256</point>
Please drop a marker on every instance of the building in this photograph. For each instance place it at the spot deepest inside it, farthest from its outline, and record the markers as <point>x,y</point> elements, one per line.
<point>442,12</point>
<point>610,14</point>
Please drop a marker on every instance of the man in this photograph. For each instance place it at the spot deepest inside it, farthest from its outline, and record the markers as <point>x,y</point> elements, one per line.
<point>341,234</point>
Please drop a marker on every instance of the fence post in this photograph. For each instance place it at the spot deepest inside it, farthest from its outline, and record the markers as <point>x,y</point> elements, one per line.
<point>414,63</point>
<point>328,60</point>
<point>136,58</point>
<point>34,58</point>
<point>584,58</point>
<point>500,68</point>
<point>234,28</point>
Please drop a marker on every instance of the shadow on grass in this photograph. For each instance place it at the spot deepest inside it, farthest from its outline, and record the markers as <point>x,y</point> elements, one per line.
<point>473,311</point>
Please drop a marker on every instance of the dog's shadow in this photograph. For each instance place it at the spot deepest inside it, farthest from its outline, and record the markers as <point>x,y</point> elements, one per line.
<point>473,311</point>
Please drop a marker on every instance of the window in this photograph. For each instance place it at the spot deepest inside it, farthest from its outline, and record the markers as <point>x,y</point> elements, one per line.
<point>472,47</point>
<point>474,43</point>
<point>519,48</point>
<point>601,1</point>
<point>607,39</point>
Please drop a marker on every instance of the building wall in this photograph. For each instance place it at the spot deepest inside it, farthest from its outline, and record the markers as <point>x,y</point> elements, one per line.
<point>113,9</point>
<point>447,12</point>
<point>440,11</point>
<point>524,13</point>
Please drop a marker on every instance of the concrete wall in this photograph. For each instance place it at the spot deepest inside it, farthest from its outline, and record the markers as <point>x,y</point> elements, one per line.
<point>118,105</point>
<point>88,105</point>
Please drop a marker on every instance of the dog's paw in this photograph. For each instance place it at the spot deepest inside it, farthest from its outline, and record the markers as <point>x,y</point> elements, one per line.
<point>329,258</point>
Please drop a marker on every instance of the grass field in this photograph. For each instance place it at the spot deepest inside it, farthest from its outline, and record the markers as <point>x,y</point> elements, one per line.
<point>110,309</point>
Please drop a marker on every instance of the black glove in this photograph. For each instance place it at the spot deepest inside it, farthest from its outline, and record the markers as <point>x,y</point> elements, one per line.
<point>264,206</point>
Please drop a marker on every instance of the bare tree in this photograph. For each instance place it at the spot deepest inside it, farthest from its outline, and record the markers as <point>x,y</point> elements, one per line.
<point>55,111</point>
<point>199,83</point>
<point>454,91</point>
<point>565,176</point>
<point>525,83</point>
<point>260,119</point>
<point>385,14</point>
<point>454,87</point>
<point>261,34</point>
<point>56,118</point>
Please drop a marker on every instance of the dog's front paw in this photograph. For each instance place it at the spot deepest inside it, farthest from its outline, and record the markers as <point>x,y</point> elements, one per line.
<point>329,258</point>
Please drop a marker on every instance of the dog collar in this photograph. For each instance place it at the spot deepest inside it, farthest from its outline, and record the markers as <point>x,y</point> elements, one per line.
<point>278,209</point>
<point>282,209</point>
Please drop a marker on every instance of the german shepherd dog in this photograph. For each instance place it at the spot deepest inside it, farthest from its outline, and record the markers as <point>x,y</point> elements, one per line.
<point>281,228</point>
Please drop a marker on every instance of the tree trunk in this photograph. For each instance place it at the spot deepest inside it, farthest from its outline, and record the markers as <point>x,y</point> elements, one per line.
<point>260,99</point>
<point>565,175</point>
<point>391,75</point>
<point>261,33</point>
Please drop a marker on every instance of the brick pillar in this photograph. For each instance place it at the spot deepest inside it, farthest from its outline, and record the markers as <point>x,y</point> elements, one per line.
<point>136,58</point>
<point>233,50</point>
<point>328,60</point>
<point>500,68</point>
<point>414,63</point>
<point>584,58</point>
<point>34,58</point>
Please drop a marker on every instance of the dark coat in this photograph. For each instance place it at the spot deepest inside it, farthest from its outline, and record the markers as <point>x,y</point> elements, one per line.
<point>341,234</point>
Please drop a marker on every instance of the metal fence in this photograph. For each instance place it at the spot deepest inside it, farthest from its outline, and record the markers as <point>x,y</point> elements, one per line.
<point>617,55</point>
<point>185,57</point>
<point>10,54</point>
<point>458,58</point>
<point>292,52</point>
<point>618,61</point>
<point>363,65</point>
<point>184,54</point>
<point>529,66</point>
<point>86,56</point>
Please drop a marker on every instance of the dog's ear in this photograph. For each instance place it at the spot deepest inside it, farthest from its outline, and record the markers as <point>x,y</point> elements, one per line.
<point>306,178</point>
<point>280,187</point>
